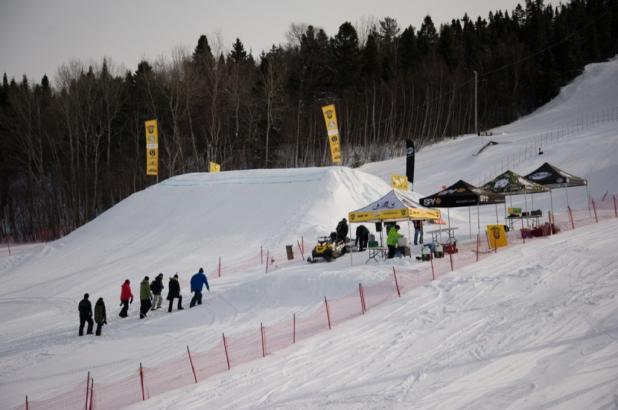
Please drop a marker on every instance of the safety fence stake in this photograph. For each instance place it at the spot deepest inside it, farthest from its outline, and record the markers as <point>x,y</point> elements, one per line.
<point>433,272</point>
<point>396,283</point>
<point>615,208</point>
<point>91,394</point>
<point>267,260</point>
<point>571,217</point>
<point>227,356</point>
<point>261,255</point>
<point>191,362</point>
<point>219,267</point>
<point>87,390</point>
<point>300,249</point>
<point>141,378</point>
<point>302,243</point>
<point>294,328</point>
<point>327,313</point>
<point>523,234</point>
<point>27,404</point>
<point>478,241</point>
<point>594,208</point>
<point>361,295</point>
<point>450,255</point>
<point>262,336</point>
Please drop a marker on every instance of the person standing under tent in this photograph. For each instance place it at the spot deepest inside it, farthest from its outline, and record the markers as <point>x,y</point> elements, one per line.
<point>418,232</point>
<point>197,284</point>
<point>126,297</point>
<point>145,297</point>
<point>392,239</point>
<point>99,315</point>
<point>362,237</point>
<point>342,230</point>
<point>173,291</point>
<point>157,287</point>
<point>85,315</point>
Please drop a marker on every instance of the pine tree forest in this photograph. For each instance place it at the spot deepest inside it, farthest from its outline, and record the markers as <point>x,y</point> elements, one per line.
<point>71,150</point>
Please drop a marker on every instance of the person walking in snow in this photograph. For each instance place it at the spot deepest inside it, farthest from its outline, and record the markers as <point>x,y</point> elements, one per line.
<point>173,291</point>
<point>145,297</point>
<point>391,240</point>
<point>126,297</point>
<point>342,230</point>
<point>99,315</point>
<point>85,315</point>
<point>362,237</point>
<point>197,284</point>
<point>157,287</point>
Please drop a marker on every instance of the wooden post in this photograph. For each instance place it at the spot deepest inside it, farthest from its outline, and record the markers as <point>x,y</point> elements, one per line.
<point>227,356</point>
<point>91,394</point>
<point>396,283</point>
<point>361,295</point>
<point>191,362</point>
<point>294,328</point>
<point>87,390</point>
<point>262,336</point>
<point>571,217</point>
<point>594,208</point>
<point>141,378</point>
<point>327,313</point>
<point>261,255</point>
<point>267,260</point>
<point>219,267</point>
<point>300,248</point>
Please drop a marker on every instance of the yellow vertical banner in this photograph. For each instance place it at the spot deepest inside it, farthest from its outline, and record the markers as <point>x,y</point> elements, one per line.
<point>214,167</point>
<point>332,129</point>
<point>152,147</point>
<point>400,182</point>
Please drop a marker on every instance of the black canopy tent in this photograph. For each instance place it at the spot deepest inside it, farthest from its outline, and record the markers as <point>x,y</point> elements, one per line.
<point>553,177</point>
<point>463,194</point>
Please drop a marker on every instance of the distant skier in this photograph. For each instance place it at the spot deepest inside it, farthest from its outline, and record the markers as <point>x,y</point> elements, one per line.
<point>342,230</point>
<point>126,297</point>
<point>173,291</point>
<point>145,297</point>
<point>362,237</point>
<point>157,287</point>
<point>85,315</point>
<point>99,315</point>
<point>197,284</point>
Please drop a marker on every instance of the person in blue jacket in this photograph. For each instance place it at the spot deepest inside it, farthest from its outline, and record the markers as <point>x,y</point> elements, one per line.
<point>197,284</point>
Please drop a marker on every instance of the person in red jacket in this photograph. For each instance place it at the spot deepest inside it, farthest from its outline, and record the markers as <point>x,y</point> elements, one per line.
<point>126,297</point>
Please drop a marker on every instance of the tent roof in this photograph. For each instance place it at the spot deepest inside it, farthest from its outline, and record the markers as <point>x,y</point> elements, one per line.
<point>462,193</point>
<point>511,183</point>
<point>553,177</point>
<point>396,205</point>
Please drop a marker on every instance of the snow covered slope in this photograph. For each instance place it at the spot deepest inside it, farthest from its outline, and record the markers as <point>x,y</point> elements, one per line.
<point>531,327</point>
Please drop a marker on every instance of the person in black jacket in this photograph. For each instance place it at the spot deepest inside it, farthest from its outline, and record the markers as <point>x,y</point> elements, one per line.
<point>362,237</point>
<point>342,230</point>
<point>173,291</point>
<point>157,287</point>
<point>85,315</point>
<point>99,315</point>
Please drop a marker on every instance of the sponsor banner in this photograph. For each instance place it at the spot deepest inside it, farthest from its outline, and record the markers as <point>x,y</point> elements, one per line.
<point>214,167</point>
<point>400,182</point>
<point>152,147</point>
<point>394,215</point>
<point>410,154</point>
<point>332,130</point>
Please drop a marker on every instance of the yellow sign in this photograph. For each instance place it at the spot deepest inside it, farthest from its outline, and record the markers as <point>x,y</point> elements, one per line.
<point>152,147</point>
<point>332,129</point>
<point>496,236</point>
<point>214,167</point>
<point>399,182</point>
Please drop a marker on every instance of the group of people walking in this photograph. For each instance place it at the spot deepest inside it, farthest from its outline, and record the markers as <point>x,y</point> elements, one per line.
<point>150,299</point>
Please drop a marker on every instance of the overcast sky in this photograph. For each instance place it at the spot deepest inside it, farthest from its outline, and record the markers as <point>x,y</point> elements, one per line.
<point>36,37</point>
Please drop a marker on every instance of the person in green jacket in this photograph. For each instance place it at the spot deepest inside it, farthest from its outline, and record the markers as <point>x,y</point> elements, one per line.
<point>99,315</point>
<point>145,297</point>
<point>391,240</point>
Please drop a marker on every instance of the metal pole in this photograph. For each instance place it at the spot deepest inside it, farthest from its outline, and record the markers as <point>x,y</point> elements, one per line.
<point>476,103</point>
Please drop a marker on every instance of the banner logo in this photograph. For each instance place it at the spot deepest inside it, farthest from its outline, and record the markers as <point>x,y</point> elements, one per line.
<point>152,147</point>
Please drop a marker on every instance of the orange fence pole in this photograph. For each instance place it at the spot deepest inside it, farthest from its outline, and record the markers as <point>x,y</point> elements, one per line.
<point>571,217</point>
<point>141,378</point>
<point>91,394</point>
<point>219,267</point>
<point>595,211</point>
<point>433,272</point>
<point>262,336</point>
<point>294,328</point>
<point>87,390</point>
<point>396,283</point>
<point>191,362</point>
<point>227,356</point>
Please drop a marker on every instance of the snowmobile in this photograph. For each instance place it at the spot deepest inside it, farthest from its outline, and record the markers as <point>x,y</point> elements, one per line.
<point>327,248</point>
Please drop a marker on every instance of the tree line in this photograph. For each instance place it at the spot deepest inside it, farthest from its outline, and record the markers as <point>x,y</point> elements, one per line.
<point>71,151</point>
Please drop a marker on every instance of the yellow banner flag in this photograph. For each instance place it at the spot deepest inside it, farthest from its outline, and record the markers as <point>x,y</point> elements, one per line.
<point>332,129</point>
<point>400,182</point>
<point>214,167</point>
<point>152,147</point>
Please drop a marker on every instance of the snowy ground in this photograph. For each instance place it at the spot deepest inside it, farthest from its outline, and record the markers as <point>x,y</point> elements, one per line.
<point>535,326</point>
